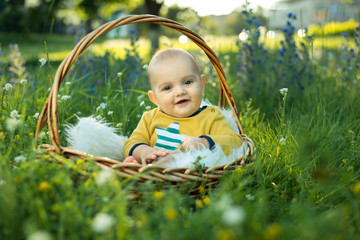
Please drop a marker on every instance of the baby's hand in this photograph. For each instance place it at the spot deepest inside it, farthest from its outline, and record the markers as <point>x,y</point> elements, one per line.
<point>146,154</point>
<point>195,142</point>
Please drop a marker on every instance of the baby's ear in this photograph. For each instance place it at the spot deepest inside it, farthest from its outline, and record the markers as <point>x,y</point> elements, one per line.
<point>152,97</point>
<point>203,80</point>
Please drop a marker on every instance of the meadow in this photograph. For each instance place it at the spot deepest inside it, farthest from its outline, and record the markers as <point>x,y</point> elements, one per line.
<point>304,182</point>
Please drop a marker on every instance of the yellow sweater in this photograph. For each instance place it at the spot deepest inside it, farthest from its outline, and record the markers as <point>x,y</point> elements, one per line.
<point>158,129</point>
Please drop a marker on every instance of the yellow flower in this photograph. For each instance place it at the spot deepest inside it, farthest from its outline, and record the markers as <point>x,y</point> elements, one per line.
<point>44,186</point>
<point>351,131</point>
<point>225,234</point>
<point>17,136</point>
<point>2,136</point>
<point>94,174</point>
<point>350,168</point>
<point>170,213</point>
<point>158,194</point>
<point>239,169</point>
<point>87,182</point>
<point>344,160</point>
<point>31,134</point>
<point>273,231</point>
<point>201,189</point>
<point>199,203</point>
<point>80,162</point>
<point>206,200</point>
<point>283,125</point>
<point>356,188</point>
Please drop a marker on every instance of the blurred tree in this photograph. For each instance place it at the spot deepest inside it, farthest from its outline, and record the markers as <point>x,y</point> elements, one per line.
<point>153,7</point>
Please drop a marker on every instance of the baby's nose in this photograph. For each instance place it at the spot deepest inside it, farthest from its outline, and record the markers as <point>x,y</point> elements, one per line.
<point>180,91</point>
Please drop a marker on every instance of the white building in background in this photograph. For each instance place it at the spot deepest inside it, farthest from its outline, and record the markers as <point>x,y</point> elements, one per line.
<point>313,12</point>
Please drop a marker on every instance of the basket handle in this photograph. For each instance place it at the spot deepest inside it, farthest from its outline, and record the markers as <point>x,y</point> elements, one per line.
<point>49,111</point>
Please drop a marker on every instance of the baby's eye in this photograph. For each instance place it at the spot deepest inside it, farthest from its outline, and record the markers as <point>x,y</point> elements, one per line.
<point>187,82</point>
<point>167,88</point>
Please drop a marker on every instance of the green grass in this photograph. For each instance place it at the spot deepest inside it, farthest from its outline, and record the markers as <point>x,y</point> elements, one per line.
<point>304,187</point>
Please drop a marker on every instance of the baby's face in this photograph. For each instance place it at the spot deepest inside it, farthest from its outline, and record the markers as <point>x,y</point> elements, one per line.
<point>177,87</point>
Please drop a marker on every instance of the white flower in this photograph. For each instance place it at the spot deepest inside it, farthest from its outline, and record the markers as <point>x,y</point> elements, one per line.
<point>14,114</point>
<point>23,81</point>
<point>119,74</point>
<point>142,103</point>
<point>110,112</point>
<point>148,108</point>
<point>20,159</point>
<point>42,62</point>
<point>282,141</point>
<point>2,182</point>
<point>250,197</point>
<point>102,222</point>
<point>233,215</point>
<point>119,125</point>
<point>11,124</point>
<point>105,97</point>
<point>36,115</point>
<point>68,83</point>
<point>145,66</point>
<point>39,235</point>
<point>101,106</point>
<point>283,91</point>
<point>8,87</point>
<point>65,97</point>
<point>104,177</point>
<point>41,134</point>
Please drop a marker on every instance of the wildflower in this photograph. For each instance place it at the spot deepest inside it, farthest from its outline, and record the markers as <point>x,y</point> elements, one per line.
<point>36,115</point>
<point>39,235</point>
<point>142,103</point>
<point>2,136</point>
<point>351,131</point>
<point>23,81</point>
<point>11,124</point>
<point>8,87</point>
<point>283,91</point>
<point>119,125</point>
<point>356,188</point>
<point>101,106</point>
<point>145,66</point>
<point>273,231</point>
<point>282,141</point>
<point>2,182</point>
<point>233,215</point>
<point>147,108</point>
<point>110,112</point>
<point>14,114</point>
<point>250,197</point>
<point>206,200</point>
<point>102,222</point>
<point>158,195</point>
<point>65,97</point>
<point>42,62</point>
<point>44,186</point>
<point>350,168</point>
<point>20,159</point>
<point>119,74</point>
<point>103,177</point>
<point>68,83</point>
<point>199,203</point>
<point>170,213</point>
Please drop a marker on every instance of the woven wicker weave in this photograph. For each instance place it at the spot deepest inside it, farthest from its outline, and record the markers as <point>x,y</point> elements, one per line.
<point>49,113</point>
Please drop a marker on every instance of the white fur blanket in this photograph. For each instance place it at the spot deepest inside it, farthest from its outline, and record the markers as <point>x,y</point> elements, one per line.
<point>95,136</point>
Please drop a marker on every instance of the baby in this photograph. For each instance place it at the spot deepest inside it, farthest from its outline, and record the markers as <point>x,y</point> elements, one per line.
<point>177,88</point>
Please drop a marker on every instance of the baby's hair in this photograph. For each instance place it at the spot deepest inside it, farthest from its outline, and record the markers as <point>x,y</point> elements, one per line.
<point>163,54</point>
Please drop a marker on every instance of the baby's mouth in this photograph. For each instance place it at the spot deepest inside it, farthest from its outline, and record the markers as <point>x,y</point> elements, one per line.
<point>183,101</point>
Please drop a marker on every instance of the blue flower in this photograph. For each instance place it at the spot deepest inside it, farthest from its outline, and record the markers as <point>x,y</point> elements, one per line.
<point>288,23</point>
<point>289,15</point>
<point>248,21</point>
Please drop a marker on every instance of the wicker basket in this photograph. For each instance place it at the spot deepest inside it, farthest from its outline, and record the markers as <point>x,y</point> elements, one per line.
<point>49,114</point>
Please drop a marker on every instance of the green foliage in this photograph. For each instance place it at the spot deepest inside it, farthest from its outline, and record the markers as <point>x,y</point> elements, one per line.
<point>304,182</point>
